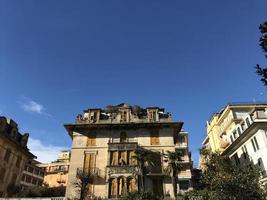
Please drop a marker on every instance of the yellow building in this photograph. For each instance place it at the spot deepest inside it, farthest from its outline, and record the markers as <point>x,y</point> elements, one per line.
<point>56,172</point>
<point>14,154</point>
<point>104,142</point>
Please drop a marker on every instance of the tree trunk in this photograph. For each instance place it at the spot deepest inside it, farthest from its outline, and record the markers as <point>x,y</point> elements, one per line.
<point>174,184</point>
<point>142,177</point>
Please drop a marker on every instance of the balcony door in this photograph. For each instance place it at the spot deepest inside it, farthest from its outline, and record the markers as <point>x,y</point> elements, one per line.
<point>89,163</point>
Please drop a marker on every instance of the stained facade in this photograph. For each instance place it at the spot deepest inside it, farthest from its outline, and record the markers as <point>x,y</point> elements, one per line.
<point>14,154</point>
<point>104,144</point>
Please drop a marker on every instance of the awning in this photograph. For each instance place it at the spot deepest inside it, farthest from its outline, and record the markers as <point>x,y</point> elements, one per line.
<point>184,179</point>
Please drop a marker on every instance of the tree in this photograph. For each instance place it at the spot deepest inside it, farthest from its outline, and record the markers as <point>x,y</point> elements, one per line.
<point>223,180</point>
<point>143,158</point>
<point>261,71</point>
<point>84,179</point>
<point>36,191</point>
<point>13,190</point>
<point>173,168</point>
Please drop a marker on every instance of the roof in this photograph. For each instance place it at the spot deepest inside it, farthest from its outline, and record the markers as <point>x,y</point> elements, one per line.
<point>236,104</point>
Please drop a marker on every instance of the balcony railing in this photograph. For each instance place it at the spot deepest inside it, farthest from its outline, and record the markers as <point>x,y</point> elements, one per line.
<point>122,146</point>
<point>125,169</point>
<point>224,144</point>
<point>118,140</point>
<point>92,172</point>
<point>181,145</point>
<point>258,114</point>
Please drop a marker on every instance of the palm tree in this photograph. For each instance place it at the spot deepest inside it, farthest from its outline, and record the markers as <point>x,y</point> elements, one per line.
<point>144,159</point>
<point>174,166</point>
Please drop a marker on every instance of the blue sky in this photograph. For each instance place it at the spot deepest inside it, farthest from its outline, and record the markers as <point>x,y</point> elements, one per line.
<point>191,57</point>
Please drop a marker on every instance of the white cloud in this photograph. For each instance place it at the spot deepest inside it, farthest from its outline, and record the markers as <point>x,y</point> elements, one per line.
<point>44,153</point>
<point>32,106</point>
<point>29,105</point>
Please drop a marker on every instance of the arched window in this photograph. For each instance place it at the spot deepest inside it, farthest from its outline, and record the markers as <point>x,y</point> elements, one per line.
<point>123,137</point>
<point>113,188</point>
<point>131,184</point>
<point>121,186</point>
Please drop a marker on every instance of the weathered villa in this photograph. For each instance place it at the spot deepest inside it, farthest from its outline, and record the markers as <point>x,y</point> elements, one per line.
<point>104,144</point>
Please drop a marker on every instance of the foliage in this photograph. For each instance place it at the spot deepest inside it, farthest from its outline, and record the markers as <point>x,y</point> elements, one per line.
<point>174,166</point>
<point>144,159</point>
<point>261,71</point>
<point>36,191</point>
<point>84,179</point>
<point>224,181</point>
<point>143,195</point>
<point>13,190</point>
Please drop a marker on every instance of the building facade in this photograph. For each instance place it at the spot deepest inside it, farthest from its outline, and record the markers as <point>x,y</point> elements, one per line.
<point>32,174</point>
<point>104,144</point>
<point>56,172</point>
<point>240,132</point>
<point>14,154</point>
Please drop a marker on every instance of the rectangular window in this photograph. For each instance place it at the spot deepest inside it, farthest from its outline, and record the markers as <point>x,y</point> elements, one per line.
<point>23,177</point>
<point>89,162</point>
<point>14,178</point>
<point>132,160</point>
<point>7,155</point>
<point>243,126</point>
<point>18,161</point>
<point>28,179</point>
<point>154,138</point>
<point>245,152</point>
<point>253,144</point>
<point>30,169</point>
<point>239,131</point>
<point>256,143</point>
<point>123,158</point>
<point>235,134</point>
<point>237,161</point>
<point>231,138</point>
<point>91,140</point>
<point>2,174</point>
<point>114,156</point>
<point>248,122</point>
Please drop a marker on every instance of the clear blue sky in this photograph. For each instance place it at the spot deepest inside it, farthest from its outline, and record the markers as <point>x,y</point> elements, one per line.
<point>191,57</point>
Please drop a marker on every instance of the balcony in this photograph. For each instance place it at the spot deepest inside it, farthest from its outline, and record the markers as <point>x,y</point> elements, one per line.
<point>224,144</point>
<point>121,169</point>
<point>181,145</point>
<point>258,115</point>
<point>92,172</point>
<point>114,146</point>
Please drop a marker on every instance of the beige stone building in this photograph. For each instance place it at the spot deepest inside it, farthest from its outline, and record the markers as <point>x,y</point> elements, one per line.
<point>56,172</point>
<point>104,142</point>
<point>14,154</point>
<point>240,132</point>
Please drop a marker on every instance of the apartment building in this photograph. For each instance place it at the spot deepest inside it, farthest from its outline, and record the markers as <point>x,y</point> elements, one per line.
<point>14,154</point>
<point>56,172</point>
<point>104,144</point>
<point>32,174</point>
<point>239,131</point>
